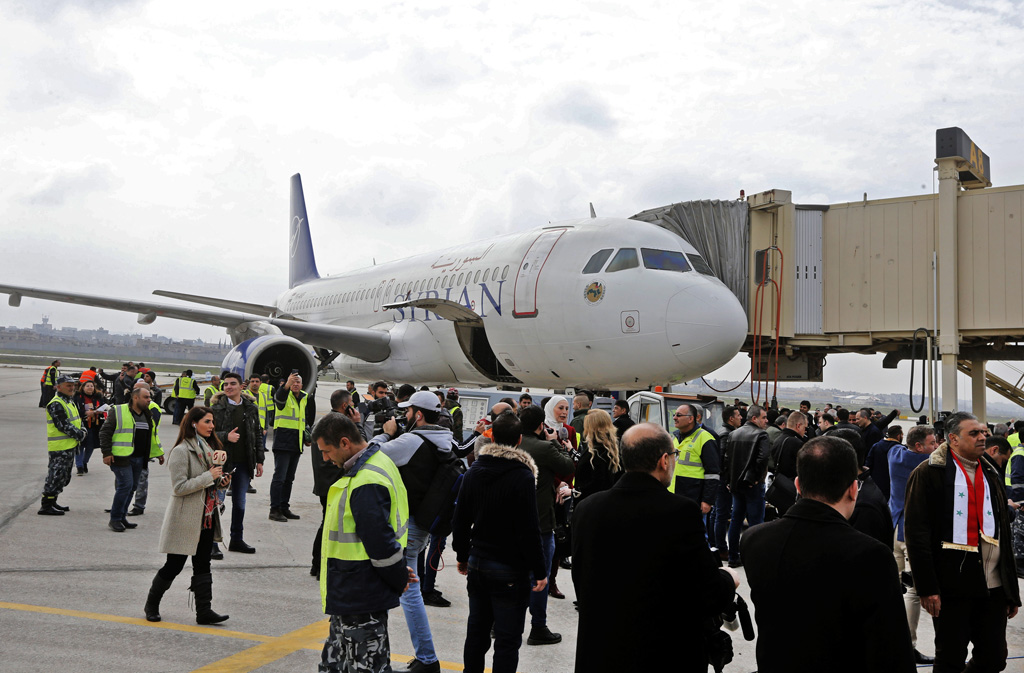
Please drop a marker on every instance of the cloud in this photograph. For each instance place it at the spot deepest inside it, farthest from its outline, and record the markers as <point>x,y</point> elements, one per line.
<point>578,106</point>
<point>389,194</point>
<point>59,79</point>
<point>431,68</point>
<point>59,188</point>
<point>44,11</point>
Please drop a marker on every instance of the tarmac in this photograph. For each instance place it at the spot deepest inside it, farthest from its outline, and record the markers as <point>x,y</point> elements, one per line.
<point>72,591</point>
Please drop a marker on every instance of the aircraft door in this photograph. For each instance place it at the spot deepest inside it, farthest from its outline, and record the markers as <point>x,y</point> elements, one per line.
<point>378,295</point>
<point>524,298</point>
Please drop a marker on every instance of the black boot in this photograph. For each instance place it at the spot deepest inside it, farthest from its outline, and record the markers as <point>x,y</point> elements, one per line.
<point>48,508</point>
<point>202,587</point>
<point>156,592</point>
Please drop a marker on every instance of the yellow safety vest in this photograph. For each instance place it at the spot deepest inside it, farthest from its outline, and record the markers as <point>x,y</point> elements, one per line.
<point>57,440</point>
<point>186,389</point>
<point>261,405</point>
<point>48,379</point>
<point>124,433</point>
<point>340,540</point>
<point>1014,440</point>
<point>688,462</point>
<point>1017,451</point>
<point>293,415</point>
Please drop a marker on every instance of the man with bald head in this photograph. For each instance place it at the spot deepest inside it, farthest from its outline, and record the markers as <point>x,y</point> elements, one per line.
<point>635,524</point>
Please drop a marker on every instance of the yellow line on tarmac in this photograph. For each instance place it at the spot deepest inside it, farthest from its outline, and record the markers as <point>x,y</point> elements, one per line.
<point>270,649</point>
<point>249,660</point>
<point>138,621</point>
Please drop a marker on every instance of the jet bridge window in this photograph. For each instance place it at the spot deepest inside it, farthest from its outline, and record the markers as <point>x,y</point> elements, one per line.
<point>700,265</point>
<point>597,261</point>
<point>624,259</point>
<point>664,260</point>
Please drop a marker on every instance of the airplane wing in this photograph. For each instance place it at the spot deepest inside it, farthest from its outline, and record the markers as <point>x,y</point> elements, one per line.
<point>366,344</point>
<point>229,304</point>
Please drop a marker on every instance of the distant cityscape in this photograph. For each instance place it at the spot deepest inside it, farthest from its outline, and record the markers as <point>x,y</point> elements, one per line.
<point>44,338</point>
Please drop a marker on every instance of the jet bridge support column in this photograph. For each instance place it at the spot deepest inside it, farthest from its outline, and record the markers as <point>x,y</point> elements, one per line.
<point>979,389</point>
<point>946,236</point>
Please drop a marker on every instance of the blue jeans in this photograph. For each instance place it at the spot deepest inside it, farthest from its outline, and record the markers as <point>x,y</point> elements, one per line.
<point>431,561</point>
<point>722,515</point>
<point>412,599</point>
<point>285,463</point>
<point>240,479</point>
<point>85,449</point>
<point>539,599</point>
<point>126,480</point>
<point>498,597</point>
<point>747,503</point>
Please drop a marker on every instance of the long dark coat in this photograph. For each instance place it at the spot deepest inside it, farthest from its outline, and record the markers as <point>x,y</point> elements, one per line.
<point>826,596</point>
<point>645,579</point>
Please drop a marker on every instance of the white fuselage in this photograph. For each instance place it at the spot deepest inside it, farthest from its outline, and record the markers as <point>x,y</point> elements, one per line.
<point>548,323</point>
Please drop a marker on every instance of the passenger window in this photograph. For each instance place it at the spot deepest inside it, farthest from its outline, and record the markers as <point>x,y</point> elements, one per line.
<point>487,275</point>
<point>476,278</point>
<point>504,272</point>
<point>494,275</point>
<point>624,259</point>
<point>444,282</point>
<point>597,261</point>
<point>460,279</point>
<point>664,260</point>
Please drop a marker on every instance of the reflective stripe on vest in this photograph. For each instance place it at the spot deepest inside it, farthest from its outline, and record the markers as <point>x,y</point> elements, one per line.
<point>186,389</point>
<point>293,416</point>
<point>688,462</point>
<point>55,439</point>
<point>340,540</point>
<point>124,435</point>
<point>1017,452</point>
<point>454,409</point>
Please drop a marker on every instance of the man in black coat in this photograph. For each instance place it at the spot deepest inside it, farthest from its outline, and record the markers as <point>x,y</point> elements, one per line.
<point>631,620</point>
<point>748,457</point>
<point>959,542</point>
<point>826,596</point>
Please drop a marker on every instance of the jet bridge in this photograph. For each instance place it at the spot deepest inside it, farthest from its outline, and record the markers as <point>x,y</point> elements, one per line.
<point>873,276</point>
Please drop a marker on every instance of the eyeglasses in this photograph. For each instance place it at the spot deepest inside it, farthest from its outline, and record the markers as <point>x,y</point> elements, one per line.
<point>682,415</point>
<point>672,453</point>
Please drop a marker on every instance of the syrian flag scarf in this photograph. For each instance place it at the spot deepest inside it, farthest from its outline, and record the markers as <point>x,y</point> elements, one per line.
<point>973,511</point>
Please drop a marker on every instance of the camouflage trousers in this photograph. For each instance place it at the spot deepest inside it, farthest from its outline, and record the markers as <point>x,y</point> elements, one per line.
<point>58,471</point>
<point>142,490</point>
<point>357,644</point>
<point>1017,529</point>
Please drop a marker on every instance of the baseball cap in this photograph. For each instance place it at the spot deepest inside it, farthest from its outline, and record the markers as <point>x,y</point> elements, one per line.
<point>67,378</point>
<point>422,399</point>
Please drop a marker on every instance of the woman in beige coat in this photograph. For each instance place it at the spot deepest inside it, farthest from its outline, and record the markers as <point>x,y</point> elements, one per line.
<point>192,520</point>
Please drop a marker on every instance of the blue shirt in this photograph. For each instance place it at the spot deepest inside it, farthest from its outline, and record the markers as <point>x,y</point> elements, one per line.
<point>902,462</point>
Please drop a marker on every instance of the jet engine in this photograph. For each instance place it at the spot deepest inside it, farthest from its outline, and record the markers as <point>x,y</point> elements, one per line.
<point>274,355</point>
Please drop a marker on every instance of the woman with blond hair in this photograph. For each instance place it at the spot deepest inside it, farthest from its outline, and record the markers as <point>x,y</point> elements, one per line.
<point>599,465</point>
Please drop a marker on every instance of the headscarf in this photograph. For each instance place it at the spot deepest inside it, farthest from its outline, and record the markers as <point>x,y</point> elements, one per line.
<point>549,410</point>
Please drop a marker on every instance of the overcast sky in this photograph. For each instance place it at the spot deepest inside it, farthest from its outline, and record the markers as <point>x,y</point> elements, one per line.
<point>148,145</point>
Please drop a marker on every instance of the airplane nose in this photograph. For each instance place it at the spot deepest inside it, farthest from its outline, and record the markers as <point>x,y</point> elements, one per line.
<point>705,326</point>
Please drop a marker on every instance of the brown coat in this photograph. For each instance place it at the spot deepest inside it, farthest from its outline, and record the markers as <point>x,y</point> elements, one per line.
<point>189,466</point>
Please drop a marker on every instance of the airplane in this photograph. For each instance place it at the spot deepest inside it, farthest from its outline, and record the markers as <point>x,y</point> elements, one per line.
<point>598,303</point>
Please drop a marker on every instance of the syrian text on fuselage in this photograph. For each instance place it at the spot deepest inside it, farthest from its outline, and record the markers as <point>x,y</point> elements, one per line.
<point>459,295</point>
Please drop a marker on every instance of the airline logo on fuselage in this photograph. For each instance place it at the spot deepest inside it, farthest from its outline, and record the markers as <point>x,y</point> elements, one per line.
<point>480,302</point>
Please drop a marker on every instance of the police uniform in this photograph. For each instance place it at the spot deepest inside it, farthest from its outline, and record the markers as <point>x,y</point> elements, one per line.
<point>361,578</point>
<point>63,433</point>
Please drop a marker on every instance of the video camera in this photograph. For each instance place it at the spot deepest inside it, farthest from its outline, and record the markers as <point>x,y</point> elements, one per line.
<point>383,410</point>
<point>719,643</point>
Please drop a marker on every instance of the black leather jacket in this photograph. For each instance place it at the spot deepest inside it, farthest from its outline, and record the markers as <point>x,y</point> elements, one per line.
<point>748,455</point>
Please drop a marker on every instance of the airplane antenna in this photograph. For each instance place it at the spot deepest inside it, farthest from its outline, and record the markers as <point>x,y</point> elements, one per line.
<point>374,261</point>
<point>593,215</point>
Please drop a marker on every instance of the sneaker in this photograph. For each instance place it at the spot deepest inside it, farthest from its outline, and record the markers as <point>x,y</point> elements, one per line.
<point>435,599</point>
<point>541,635</point>
<point>417,666</point>
<point>81,471</point>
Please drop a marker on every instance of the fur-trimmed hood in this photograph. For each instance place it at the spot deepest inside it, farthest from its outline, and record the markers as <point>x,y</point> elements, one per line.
<point>509,453</point>
<point>938,456</point>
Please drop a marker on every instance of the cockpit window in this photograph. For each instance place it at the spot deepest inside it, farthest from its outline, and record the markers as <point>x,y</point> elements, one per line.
<point>624,259</point>
<point>699,265</point>
<point>597,261</point>
<point>664,260</point>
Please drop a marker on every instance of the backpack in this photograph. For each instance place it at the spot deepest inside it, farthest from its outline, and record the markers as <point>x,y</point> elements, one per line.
<point>438,506</point>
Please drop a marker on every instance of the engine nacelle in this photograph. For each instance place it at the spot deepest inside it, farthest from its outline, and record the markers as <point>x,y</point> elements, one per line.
<point>273,355</point>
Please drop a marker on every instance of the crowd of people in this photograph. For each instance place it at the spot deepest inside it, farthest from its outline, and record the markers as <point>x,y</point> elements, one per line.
<point>842,529</point>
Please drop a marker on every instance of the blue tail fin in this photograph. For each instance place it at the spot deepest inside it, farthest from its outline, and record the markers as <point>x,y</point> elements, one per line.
<point>301,263</point>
